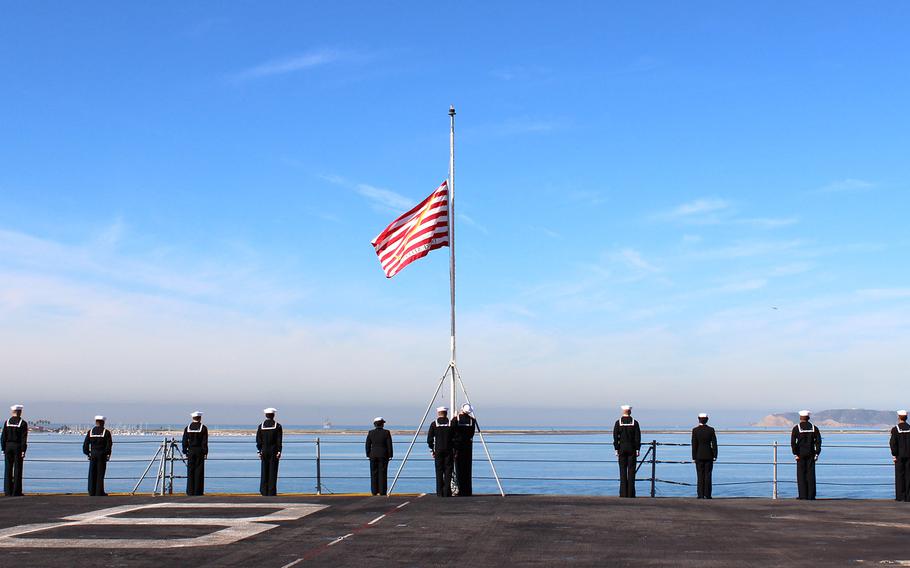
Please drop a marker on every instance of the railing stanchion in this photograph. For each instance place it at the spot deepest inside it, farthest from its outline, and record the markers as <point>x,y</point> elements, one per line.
<point>170,487</point>
<point>774,475</point>
<point>318,467</point>
<point>653,467</point>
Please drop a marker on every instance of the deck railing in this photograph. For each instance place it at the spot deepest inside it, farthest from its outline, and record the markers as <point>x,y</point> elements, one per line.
<point>165,467</point>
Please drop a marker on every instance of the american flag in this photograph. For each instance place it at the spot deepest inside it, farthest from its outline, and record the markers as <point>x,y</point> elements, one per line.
<point>416,233</point>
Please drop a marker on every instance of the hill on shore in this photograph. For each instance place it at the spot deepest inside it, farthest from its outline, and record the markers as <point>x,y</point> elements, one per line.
<point>837,418</point>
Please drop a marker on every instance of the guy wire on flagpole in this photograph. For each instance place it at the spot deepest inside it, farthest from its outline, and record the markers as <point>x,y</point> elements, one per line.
<point>452,247</point>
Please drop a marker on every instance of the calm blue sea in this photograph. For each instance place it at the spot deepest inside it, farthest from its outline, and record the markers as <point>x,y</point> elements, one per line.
<point>852,465</point>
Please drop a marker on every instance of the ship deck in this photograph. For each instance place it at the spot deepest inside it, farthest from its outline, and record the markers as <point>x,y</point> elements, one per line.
<point>412,530</point>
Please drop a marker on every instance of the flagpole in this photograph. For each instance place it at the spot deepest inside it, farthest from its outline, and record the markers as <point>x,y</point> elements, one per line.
<point>452,366</point>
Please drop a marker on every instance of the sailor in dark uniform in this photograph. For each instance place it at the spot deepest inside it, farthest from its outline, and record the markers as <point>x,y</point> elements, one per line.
<point>465,425</point>
<point>195,446</point>
<point>900,452</point>
<point>13,443</point>
<point>806,443</point>
<point>268,442</point>
<point>627,443</point>
<point>97,446</point>
<point>379,451</point>
<point>704,454</point>
<point>439,438</point>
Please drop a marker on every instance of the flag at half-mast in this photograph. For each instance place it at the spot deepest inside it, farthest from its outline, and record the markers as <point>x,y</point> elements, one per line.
<point>416,233</point>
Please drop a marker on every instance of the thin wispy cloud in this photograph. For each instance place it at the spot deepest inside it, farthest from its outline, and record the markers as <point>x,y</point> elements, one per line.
<point>549,232</point>
<point>292,64</point>
<point>696,208</point>
<point>588,197</point>
<point>885,293</point>
<point>634,259</point>
<point>715,211</point>
<point>742,286</point>
<point>384,200</point>
<point>235,283</point>
<point>746,249</point>
<point>768,222</point>
<point>849,185</point>
<point>470,221</point>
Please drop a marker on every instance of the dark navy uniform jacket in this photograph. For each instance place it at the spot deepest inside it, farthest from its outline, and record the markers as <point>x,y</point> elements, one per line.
<point>900,440</point>
<point>465,426</point>
<point>15,435</point>
<point>626,435</point>
<point>441,435</point>
<point>98,443</point>
<point>806,440</point>
<point>269,436</point>
<point>379,443</point>
<point>196,436</point>
<point>704,443</point>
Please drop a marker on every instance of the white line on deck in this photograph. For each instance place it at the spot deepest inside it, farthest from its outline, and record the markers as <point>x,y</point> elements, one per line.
<point>376,520</point>
<point>403,504</point>
<point>294,563</point>
<point>341,538</point>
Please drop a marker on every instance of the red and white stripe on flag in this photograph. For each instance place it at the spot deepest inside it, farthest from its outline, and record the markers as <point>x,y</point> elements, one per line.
<point>416,233</point>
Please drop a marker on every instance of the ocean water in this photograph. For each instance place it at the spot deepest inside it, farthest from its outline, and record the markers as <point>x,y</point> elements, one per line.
<point>852,465</point>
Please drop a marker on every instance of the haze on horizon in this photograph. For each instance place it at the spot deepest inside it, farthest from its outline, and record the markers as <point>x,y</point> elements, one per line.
<point>677,206</point>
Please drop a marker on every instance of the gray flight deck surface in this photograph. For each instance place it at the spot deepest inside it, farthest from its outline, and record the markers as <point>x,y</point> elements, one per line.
<point>281,531</point>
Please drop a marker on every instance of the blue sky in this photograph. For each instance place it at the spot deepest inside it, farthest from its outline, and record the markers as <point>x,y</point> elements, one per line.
<point>188,193</point>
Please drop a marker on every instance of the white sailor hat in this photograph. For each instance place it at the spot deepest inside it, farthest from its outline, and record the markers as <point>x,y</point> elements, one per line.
<point>625,407</point>
<point>197,414</point>
<point>378,419</point>
<point>16,407</point>
<point>804,413</point>
<point>467,408</point>
<point>902,413</point>
<point>442,409</point>
<point>100,417</point>
<point>703,415</point>
<point>270,411</point>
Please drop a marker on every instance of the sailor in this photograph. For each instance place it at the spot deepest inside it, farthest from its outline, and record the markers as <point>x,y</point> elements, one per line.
<point>806,443</point>
<point>195,446</point>
<point>379,452</point>
<point>97,446</point>
<point>900,452</point>
<point>627,443</point>
<point>439,438</point>
<point>268,443</point>
<point>704,454</point>
<point>13,443</point>
<point>463,439</point>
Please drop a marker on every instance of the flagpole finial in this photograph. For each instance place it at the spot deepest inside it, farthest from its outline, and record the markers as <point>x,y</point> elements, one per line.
<point>451,110</point>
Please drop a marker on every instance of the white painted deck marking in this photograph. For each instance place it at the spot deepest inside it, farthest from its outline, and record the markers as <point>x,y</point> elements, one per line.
<point>376,520</point>
<point>341,538</point>
<point>294,563</point>
<point>403,504</point>
<point>234,528</point>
